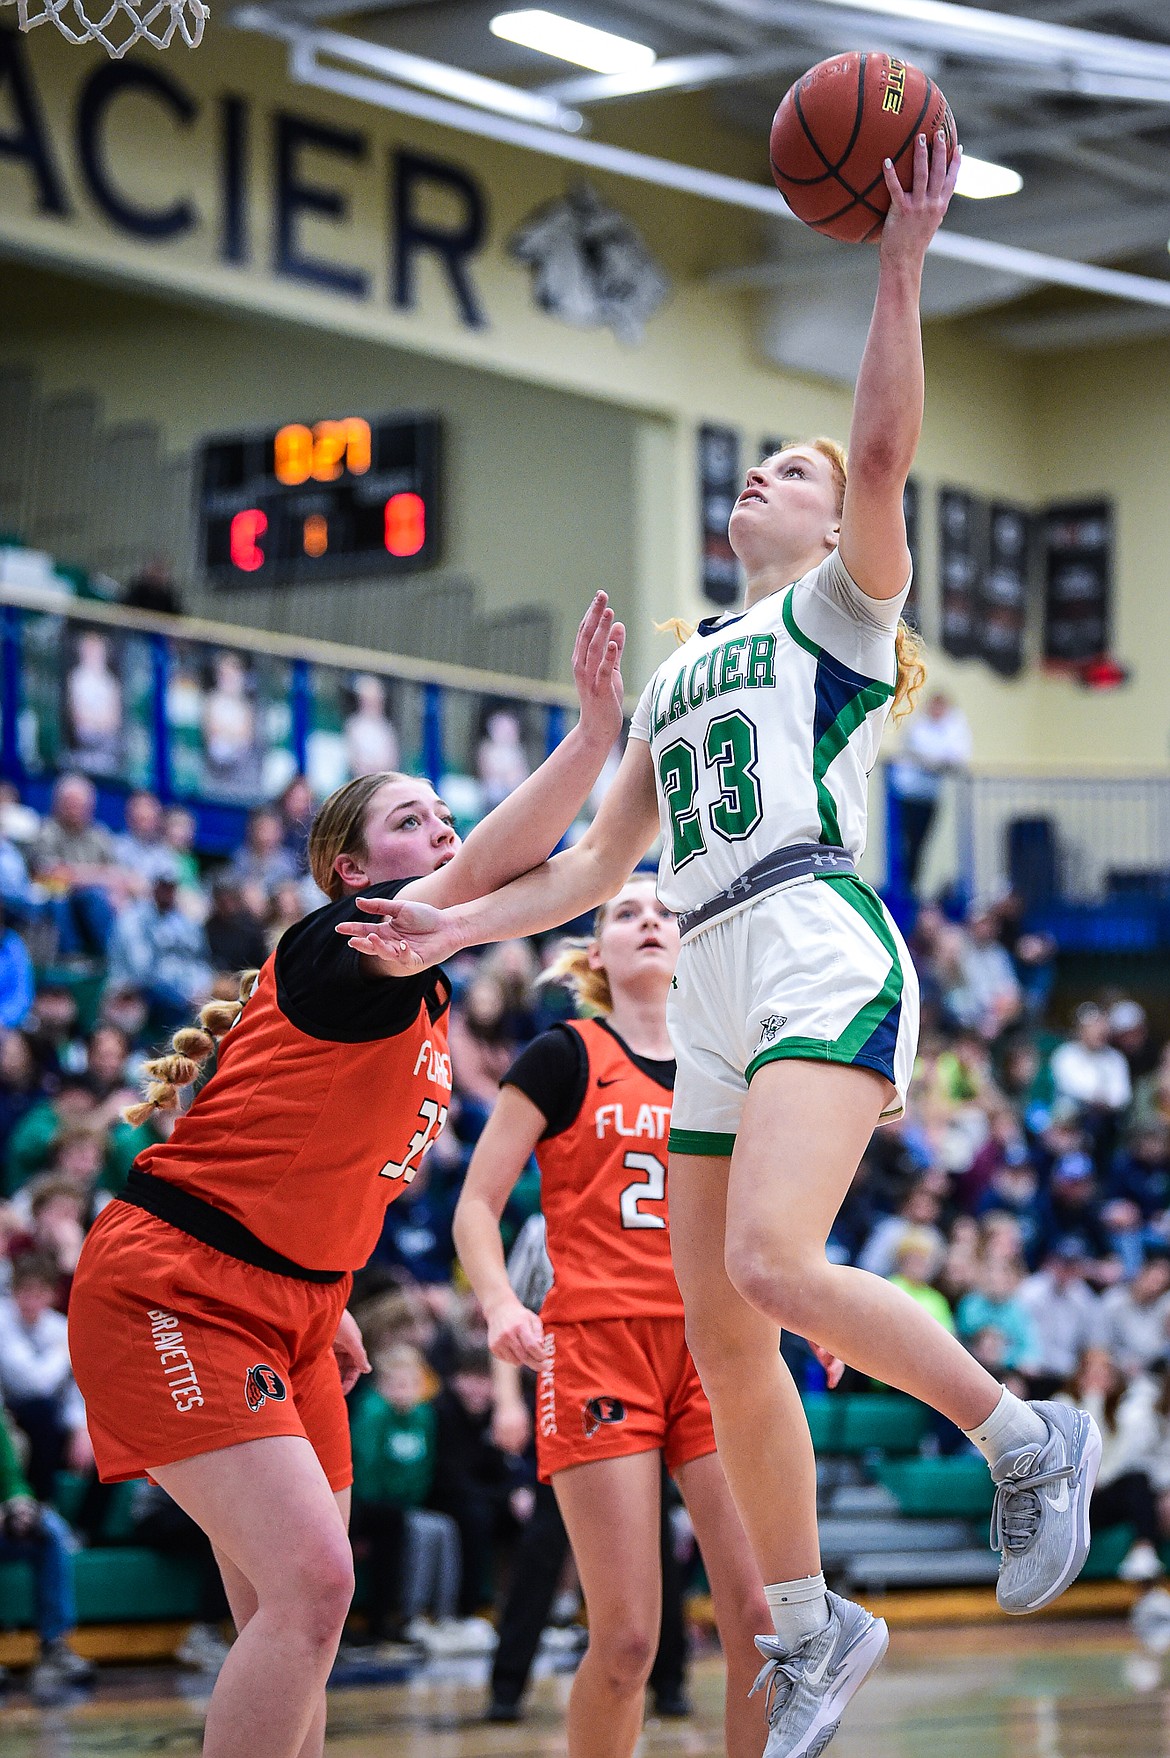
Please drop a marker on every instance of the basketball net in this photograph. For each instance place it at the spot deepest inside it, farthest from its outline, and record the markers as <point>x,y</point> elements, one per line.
<point>117,24</point>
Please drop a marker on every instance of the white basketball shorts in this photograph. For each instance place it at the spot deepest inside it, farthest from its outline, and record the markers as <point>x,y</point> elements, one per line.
<point>816,971</point>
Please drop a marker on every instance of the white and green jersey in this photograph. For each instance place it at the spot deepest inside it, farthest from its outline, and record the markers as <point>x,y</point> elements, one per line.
<point>763,729</point>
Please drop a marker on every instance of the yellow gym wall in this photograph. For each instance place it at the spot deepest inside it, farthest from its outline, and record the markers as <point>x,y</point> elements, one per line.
<point>572,456</point>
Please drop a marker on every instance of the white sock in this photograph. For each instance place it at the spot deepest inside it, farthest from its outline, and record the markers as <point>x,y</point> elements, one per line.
<point>1011,1424</point>
<point>799,1608</point>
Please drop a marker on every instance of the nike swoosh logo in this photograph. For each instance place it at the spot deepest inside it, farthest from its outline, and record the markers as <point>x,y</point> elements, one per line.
<point>611,1082</point>
<point>815,1674</point>
<point>1058,1498</point>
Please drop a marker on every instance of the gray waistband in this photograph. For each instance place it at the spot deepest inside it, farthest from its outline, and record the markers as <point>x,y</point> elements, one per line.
<point>800,860</point>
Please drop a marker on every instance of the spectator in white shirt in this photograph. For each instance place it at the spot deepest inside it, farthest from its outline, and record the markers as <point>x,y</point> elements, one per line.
<point>1135,1314</point>
<point>1065,1315</point>
<point>1089,1071</point>
<point>36,1378</point>
<point>937,743</point>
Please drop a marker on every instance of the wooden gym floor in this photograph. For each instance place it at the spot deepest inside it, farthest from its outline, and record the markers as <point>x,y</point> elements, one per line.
<point>1053,1690</point>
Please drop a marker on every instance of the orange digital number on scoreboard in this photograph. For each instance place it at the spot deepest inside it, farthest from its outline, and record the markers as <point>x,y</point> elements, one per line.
<point>323,452</point>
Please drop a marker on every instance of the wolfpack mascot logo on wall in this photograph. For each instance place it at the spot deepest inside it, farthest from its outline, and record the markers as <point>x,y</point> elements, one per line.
<point>590,265</point>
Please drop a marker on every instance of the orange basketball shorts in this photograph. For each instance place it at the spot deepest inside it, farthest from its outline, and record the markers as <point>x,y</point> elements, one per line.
<point>180,1350</point>
<point>609,1387</point>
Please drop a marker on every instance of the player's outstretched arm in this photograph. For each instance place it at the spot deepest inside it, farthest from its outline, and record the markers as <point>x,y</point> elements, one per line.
<point>408,935</point>
<point>501,1154</point>
<point>888,401</point>
<point>525,828</point>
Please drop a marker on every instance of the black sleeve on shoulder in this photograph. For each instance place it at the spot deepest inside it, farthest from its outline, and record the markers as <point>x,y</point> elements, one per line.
<point>553,1072</point>
<point>329,991</point>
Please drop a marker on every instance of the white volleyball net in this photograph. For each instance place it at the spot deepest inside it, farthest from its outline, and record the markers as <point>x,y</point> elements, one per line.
<point>117,24</point>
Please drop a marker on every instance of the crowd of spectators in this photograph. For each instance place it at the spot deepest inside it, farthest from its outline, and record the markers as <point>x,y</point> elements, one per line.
<point>1024,1199</point>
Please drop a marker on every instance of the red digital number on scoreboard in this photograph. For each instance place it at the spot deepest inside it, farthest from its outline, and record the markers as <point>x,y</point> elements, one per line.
<point>406,524</point>
<point>246,529</point>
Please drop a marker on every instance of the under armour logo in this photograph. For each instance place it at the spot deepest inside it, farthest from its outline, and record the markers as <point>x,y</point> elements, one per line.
<point>771,1027</point>
<point>739,887</point>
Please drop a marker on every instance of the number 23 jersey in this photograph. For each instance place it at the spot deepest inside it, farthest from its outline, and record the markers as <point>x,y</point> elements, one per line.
<point>602,1173</point>
<point>763,728</point>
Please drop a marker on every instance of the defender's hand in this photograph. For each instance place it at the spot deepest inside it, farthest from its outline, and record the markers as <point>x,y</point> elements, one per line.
<point>408,937</point>
<point>597,658</point>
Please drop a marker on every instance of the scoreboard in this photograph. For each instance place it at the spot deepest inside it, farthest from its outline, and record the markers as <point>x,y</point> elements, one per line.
<point>314,501</point>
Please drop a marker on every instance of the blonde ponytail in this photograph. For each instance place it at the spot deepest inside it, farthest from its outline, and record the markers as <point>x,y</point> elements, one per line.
<point>589,988</point>
<point>571,968</point>
<point>678,627</point>
<point>909,648</point>
<point>190,1048</point>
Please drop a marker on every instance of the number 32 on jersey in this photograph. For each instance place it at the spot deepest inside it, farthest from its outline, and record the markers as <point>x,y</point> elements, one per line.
<point>431,1117</point>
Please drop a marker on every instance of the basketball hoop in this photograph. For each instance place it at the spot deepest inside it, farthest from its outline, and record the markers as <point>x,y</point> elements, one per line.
<point>117,24</point>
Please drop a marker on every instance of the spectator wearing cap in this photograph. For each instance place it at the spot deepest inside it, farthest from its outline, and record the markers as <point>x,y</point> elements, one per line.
<point>1071,1208</point>
<point>1014,1189</point>
<point>1141,1171</point>
<point>1129,1032</point>
<point>1065,1317</point>
<point>1135,1315</point>
<point>235,935</point>
<point>1089,1071</point>
<point>157,948</point>
<point>73,858</point>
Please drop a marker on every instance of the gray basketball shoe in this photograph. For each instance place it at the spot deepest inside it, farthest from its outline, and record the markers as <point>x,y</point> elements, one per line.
<point>809,1686</point>
<point>1040,1517</point>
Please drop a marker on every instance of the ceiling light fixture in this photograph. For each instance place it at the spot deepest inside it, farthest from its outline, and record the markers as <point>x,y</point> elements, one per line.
<point>980,180</point>
<point>564,38</point>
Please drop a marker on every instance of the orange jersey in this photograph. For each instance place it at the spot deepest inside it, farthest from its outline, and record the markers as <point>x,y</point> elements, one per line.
<point>603,1191</point>
<point>326,1095</point>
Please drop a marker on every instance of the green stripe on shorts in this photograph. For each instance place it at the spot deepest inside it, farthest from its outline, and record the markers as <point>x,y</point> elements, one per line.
<point>700,1141</point>
<point>849,1048</point>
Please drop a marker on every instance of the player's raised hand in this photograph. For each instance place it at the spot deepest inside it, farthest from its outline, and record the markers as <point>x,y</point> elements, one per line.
<point>515,1334</point>
<point>917,213</point>
<point>597,660</point>
<point>404,936</point>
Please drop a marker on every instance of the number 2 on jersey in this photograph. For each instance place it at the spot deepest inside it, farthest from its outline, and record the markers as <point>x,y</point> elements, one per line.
<point>730,750</point>
<point>432,1117</point>
<point>649,1189</point>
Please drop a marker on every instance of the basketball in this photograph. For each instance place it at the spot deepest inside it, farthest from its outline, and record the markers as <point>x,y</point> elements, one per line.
<point>837,125</point>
